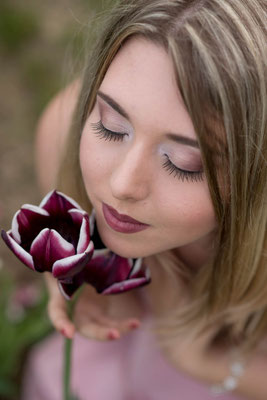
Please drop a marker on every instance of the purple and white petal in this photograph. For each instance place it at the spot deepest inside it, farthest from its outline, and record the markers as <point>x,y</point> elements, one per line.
<point>106,269</point>
<point>119,268</point>
<point>70,200</point>
<point>68,289</point>
<point>139,270</point>
<point>70,266</point>
<point>115,274</point>
<point>60,247</point>
<point>28,222</point>
<point>35,209</point>
<point>90,249</point>
<point>57,203</point>
<point>22,255</point>
<point>77,216</point>
<point>15,228</point>
<point>124,286</point>
<point>48,247</point>
<point>40,251</point>
<point>84,238</point>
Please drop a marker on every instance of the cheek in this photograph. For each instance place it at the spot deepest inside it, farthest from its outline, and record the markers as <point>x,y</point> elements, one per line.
<point>189,208</point>
<point>200,216</point>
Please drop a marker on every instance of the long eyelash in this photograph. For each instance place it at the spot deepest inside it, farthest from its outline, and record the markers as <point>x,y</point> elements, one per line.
<point>194,176</point>
<point>105,133</point>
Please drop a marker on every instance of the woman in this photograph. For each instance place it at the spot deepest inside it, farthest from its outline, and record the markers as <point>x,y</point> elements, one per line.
<point>168,144</point>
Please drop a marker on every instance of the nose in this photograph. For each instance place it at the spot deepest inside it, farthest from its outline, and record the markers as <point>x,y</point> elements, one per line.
<point>131,179</point>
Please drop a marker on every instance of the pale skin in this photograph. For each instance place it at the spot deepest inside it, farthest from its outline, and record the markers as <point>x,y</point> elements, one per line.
<point>124,183</point>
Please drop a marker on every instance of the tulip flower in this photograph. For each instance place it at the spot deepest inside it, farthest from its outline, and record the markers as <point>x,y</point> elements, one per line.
<point>55,235</point>
<point>108,273</point>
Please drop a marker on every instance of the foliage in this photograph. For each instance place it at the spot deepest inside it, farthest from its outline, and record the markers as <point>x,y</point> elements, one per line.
<point>21,327</point>
<point>17,27</point>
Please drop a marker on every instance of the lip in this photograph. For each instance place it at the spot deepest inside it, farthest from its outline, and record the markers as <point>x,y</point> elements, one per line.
<point>121,222</point>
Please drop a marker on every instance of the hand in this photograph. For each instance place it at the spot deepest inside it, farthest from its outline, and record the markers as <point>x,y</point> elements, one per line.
<point>101,317</point>
<point>95,316</point>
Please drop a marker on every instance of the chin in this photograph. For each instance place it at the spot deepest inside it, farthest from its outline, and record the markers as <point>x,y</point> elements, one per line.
<point>124,250</point>
<point>126,253</point>
<point>124,245</point>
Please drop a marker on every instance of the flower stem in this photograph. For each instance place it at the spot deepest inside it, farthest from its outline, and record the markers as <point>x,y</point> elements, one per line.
<point>67,394</point>
<point>67,369</point>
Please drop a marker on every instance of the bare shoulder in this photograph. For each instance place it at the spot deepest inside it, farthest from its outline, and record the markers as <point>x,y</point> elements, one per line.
<point>51,134</point>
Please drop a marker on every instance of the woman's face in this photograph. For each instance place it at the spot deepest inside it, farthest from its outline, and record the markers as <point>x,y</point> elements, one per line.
<point>140,159</point>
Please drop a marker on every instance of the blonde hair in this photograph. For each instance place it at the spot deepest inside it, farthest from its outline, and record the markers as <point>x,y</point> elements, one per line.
<point>218,48</point>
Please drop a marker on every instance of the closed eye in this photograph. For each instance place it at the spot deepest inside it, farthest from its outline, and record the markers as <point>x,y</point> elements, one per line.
<point>107,134</point>
<point>182,174</point>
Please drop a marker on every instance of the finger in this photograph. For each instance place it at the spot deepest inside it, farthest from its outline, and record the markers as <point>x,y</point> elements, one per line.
<point>57,312</point>
<point>92,330</point>
<point>126,325</point>
<point>101,327</point>
<point>122,325</point>
<point>93,314</point>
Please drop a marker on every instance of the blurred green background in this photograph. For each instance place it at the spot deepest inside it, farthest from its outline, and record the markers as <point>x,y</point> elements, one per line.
<point>42,44</point>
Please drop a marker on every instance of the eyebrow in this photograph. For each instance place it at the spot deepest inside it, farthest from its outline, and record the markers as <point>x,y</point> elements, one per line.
<point>175,137</point>
<point>172,136</point>
<point>113,104</point>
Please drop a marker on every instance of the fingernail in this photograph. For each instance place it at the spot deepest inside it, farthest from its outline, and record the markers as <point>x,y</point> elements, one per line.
<point>64,332</point>
<point>134,324</point>
<point>112,335</point>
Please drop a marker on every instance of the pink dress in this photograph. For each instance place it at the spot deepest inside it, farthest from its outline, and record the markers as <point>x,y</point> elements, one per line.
<point>131,368</point>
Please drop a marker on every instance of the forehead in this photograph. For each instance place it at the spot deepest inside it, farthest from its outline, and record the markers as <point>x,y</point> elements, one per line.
<point>142,79</point>
<point>146,60</point>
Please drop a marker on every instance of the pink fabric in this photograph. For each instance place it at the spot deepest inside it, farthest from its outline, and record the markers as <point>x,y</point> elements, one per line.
<point>131,368</point>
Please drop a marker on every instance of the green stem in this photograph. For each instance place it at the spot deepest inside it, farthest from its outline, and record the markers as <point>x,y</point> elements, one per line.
<point>67,394</point>
<point>67,369</point>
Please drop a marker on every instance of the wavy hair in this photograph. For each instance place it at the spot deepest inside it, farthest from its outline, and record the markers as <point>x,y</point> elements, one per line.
<point>218,48</point>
